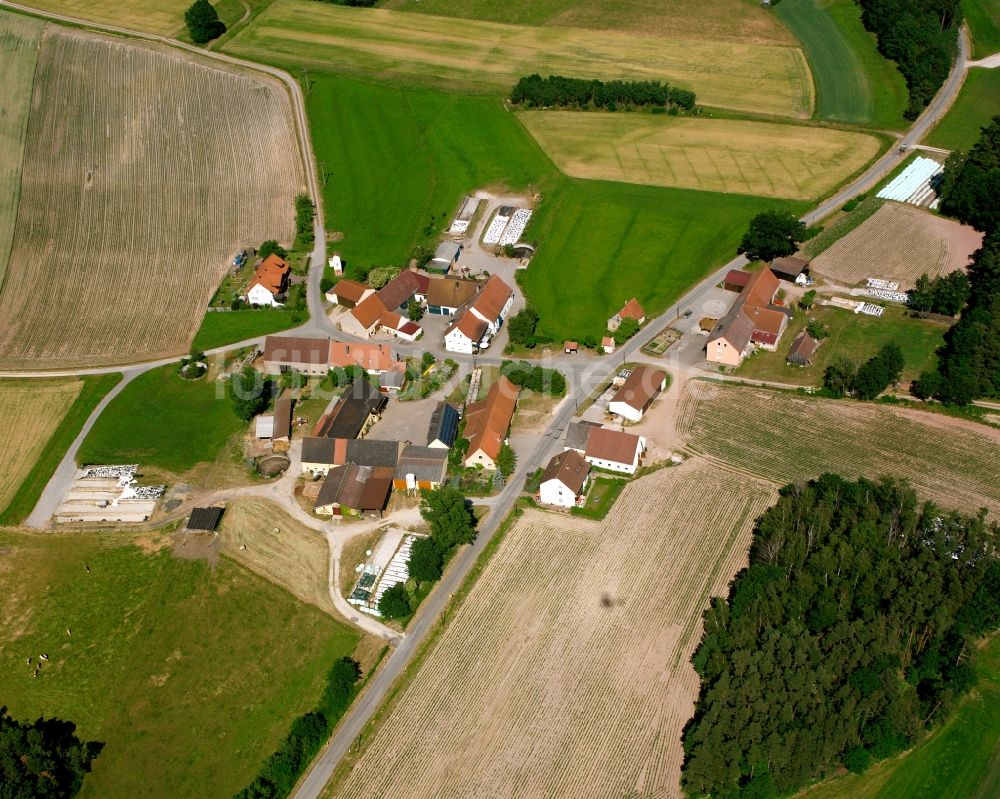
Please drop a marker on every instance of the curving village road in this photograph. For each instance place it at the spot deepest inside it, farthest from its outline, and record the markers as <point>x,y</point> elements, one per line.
<point>583,375</point>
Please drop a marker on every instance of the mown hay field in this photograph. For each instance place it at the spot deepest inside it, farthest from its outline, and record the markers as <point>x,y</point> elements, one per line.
<point>785,437</point>
<point>165,17</point>
<point>733,156</point>
<point>19,38</point>
<point>489,56</point>
<point>854,83</point>
<point>143,171</point>
<point>899,242</point>
<point>31,410</point>
<point>972,111</point>
<point>279,548</point>
<point>697,19</point>
<point>189,673</point>
<point>565,671</point>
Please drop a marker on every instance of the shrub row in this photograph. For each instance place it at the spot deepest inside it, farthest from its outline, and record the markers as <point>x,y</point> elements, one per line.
<point>534,91</point>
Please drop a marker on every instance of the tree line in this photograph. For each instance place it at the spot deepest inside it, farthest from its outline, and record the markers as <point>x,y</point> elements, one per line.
<point>534,91</point>
<point>452,523</point>
<point>848,635</point>
<point>921,37</point>
<point>869,379</point>
<point>42,758</point>
<point>307,735</point>
<point>969,362</point>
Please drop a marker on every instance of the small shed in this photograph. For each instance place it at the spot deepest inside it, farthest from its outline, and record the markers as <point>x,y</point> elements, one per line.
<point>445,255</point>
<point>801,352</point>
<point>608,345</point>
<point>205,519</point>
<point>789,268</point>
<point>264,427</point>
<point>571,347</point>
<point>736,280</point>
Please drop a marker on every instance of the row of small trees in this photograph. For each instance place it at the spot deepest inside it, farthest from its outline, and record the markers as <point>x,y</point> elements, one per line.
<point>534,91</point>
<point>452,523</point>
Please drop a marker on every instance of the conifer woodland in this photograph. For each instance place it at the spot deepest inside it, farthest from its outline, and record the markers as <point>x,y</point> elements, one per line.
<point>847,637</point>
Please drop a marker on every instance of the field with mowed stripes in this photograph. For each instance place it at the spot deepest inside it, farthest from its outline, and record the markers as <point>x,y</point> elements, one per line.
<point>565,671</point>
<point>724,155</point>
<point>489,56</point>
<point>143,170</point>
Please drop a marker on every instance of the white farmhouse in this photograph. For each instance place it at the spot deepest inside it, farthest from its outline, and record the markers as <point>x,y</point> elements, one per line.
<point>565,479</point>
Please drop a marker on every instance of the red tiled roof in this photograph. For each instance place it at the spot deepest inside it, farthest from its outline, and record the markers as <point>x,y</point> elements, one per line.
<point>450,292</point>
<point>611,445</point>
<point>371,357</point>
<point>272,274</point>
<point>487,421</point>
<point>641,386</point>
<point>369,312</point>
<point>492,298</point>
<point>632,310</point>
<point>350,290</point>
<point>760,289</point>
<point>471,326</point>
<point>765,320</point>
<point>296,349</point>
<point>737,277</point>
<point>398,290</point>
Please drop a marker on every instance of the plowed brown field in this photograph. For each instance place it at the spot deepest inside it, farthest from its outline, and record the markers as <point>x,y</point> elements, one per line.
<point>565,672</point>
<point>144,169</point>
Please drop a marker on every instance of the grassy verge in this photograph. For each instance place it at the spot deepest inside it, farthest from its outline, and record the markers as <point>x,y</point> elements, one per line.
<point>853,336</point>
<point>854,83</point>
<point>189,673</point>
<point>959,760</point>
<point>601,497</point>
<point>219,329</point>
<point>973,109</point>
<point>93,391</point>
<point>842,226</point>
<point>162,421</point>
<point>983,17</point>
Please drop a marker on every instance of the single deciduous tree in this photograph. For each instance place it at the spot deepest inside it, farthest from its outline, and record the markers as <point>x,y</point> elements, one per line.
<point>395,602</point>
<point>426,562</point>
<point>772,234</point>
<point>450,517</point>
<point>203,22</point>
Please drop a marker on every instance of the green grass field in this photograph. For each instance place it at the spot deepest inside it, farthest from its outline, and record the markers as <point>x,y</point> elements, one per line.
<point>960,760</point>
<point>983,17</point>
<point>219,329</point>
<point>24,498</point>
<point>400,160</point>
<point>602,243</point>
<point>431,148</point>
<point>853,336</point>
<point>489,57</point>
<point>853,82</point>
<point>190,674</point>
<point>163,422</point>
<point>975,106</point>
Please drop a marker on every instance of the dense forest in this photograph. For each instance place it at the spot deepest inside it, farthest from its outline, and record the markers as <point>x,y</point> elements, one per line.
<point>921,37</point>
<point>43,758</point>
<point>555,91</point>
<point>846,637</point>
<point>969,362</point>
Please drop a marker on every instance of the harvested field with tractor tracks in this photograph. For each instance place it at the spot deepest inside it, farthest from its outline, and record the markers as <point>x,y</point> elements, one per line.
<point>785,437</point>
<point>899,243</point>
<point>144,169</point>
<point>565,671</point>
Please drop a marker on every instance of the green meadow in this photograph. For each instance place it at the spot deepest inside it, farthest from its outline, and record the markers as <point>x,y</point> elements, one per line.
<point>163,422</point>
<point>399,160</point>
<point>983,18</point>
<point>960,759</point>
<point>221,328</point>
<point>977,103</point>
<point>853,82</point>
<point>189,673</point>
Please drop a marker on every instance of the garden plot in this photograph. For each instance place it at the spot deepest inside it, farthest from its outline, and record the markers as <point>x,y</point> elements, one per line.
<point>565,672</point>
<point>144,170</point>
<point>899,244</point>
